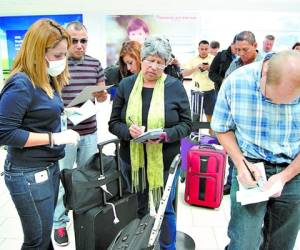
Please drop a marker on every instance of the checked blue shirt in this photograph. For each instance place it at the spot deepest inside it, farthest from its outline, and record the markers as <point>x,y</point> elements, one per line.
<point>263,130</point>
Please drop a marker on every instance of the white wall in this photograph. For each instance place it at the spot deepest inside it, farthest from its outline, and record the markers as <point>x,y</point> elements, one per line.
<point>220,20</point>
<point>8,7</point>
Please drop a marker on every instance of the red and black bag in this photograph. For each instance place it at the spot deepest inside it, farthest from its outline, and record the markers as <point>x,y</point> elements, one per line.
<point>205,176</point>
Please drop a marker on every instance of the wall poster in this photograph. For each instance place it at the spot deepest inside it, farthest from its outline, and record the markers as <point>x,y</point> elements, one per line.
<point>13,29</point>
<point>180,30</point>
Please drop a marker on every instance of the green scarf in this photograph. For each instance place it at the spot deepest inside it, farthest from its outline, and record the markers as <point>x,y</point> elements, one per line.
<point>156,119</point>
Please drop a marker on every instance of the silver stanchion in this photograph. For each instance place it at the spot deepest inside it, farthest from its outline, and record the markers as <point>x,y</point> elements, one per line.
<point>183,240</point>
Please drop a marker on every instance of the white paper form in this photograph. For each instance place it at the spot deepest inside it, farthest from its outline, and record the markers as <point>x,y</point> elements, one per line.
<point>151,134</point>
<point>87,110</point>
<point>253,195</point>
<point>87,94</point>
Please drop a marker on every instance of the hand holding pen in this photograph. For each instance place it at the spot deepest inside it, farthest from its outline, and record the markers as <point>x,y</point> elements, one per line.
<point>254,174</point>
<point>134,129</point>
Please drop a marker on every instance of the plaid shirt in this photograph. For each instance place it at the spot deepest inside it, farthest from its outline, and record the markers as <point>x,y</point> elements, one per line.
<point>263,130</point>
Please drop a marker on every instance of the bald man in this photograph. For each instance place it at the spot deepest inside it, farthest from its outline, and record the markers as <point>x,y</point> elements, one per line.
<point>256,119</point>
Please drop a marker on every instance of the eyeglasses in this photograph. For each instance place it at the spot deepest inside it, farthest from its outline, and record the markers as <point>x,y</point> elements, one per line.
<point>82,41</point>
<point>154,64</point>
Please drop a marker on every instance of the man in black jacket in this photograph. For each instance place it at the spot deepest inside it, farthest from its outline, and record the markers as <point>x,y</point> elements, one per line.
<point>220,64</point>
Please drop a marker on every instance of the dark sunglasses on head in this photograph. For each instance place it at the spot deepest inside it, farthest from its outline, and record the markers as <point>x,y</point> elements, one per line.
<point>82,41</point>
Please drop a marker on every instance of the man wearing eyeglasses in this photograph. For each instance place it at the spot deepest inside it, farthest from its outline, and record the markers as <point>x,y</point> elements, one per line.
<point>84,71</point>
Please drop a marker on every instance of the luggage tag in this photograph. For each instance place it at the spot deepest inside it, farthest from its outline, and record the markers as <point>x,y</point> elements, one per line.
<point>104,187</point>
<point>151,206</point>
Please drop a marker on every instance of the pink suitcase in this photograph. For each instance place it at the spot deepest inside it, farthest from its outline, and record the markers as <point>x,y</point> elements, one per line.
<point>205,176</point>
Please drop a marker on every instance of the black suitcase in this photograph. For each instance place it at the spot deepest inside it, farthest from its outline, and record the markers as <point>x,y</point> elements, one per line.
<point>83,187</point>
<point>96,228</point>
<point>142,234</point>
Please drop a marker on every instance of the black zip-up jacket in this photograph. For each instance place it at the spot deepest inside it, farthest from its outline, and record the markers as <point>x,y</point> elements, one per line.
<point>177,116</point>
<point>219,66</point>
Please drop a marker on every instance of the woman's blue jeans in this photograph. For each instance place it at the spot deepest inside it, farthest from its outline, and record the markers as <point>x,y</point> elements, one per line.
<point>273,224</point>
<point>35,199</point>
<point>167,237</point>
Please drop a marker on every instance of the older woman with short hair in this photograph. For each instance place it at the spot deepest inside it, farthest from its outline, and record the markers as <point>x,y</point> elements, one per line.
<point>149,100</point>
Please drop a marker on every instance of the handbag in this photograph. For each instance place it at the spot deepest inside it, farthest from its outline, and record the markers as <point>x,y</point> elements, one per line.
<point>82,185</point>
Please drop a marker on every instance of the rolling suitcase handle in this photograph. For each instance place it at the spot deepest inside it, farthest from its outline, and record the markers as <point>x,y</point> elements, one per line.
<point>102,174</point>
<point>198,108</point>
<point>143,233</point>
<point>164,200</point>
<point>210,146</point>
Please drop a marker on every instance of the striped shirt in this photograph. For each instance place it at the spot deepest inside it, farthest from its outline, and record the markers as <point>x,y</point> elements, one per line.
<point>85,72</point>
<point>263,130</point>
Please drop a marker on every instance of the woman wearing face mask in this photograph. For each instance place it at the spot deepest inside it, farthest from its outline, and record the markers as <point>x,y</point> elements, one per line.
<point>129,63</point>
<point>30,109</point>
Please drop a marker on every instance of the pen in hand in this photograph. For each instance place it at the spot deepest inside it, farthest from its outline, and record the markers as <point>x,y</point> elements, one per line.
<point>251,173</point>
<point>129,118</point>
<point>136,130</point>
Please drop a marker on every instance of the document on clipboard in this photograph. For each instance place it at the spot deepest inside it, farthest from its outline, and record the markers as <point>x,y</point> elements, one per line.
<point>87,94</point>
<point>151,134</point>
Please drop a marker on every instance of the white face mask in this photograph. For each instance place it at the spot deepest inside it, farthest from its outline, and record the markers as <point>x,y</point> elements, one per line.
<point>56,67</point>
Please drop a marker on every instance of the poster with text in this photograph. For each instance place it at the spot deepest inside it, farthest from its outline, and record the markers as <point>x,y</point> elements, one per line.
<point>180,30</point>
<point>13,29</point>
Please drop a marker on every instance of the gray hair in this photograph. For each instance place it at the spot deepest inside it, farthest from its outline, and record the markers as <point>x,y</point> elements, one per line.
<point>270,37</point>
<point>246,36</point>
<point>75,25</point>
<point>156,46</point>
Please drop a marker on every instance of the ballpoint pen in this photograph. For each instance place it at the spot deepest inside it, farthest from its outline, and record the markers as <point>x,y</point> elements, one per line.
<point>129,118</point>
<point>251,173</point>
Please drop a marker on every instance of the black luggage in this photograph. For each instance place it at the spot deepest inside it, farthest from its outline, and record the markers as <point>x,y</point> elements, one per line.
<point>96,228</point>
<point>141,234</point>
<point>82,185</point>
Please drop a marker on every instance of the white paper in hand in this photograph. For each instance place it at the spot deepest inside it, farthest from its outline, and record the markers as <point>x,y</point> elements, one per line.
<point>253,195</point>
<point>87,110</point>
<point>87,94</point>
<point>151,134</point>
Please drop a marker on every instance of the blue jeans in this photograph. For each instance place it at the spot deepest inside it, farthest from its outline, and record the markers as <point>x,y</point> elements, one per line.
<point>167,237</point>
<point>35,200</point>
<point>126,174</point>
<point>273,224</point>
<point>80,154</point>
<point>230,170</point>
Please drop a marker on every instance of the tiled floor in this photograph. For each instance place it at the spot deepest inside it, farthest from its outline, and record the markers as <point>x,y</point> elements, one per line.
<point>206,226</point>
